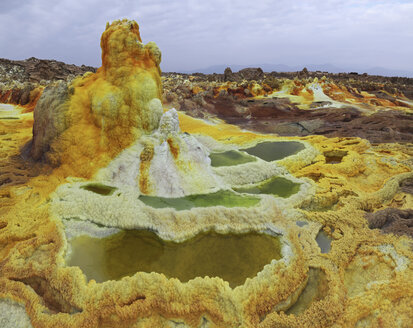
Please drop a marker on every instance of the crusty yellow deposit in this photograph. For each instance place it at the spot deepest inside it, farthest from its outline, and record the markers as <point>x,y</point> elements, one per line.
<point>103,112</point>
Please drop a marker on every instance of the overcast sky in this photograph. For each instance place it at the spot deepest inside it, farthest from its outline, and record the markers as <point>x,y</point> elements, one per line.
<point>195,34</point>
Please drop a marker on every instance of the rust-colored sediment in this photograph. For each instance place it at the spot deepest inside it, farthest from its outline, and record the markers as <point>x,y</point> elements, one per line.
<point>145,157</point>
<point>174,148</point>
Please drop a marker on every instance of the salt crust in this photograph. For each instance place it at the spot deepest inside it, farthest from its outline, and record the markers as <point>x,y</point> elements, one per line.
<point>13,315</point>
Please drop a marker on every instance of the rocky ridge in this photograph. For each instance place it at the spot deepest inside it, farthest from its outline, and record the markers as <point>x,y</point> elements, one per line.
<point>299,104</point>
<point>22,81</point>
<point>39,71</point>
<point>249,98</point>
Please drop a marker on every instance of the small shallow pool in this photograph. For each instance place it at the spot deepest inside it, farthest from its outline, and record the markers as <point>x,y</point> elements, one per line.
<point>275,150</point>
<point>230,158</point>
<point>277,186</point>
<point>225,198</point>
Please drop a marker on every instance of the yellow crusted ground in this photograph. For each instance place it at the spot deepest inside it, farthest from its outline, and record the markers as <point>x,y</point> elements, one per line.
<point>369,274</point>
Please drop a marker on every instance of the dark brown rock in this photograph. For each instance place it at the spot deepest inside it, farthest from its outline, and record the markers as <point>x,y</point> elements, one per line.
<point>256,74</point>
<point>18,78</point>
<point>228,75</point>
<point>392,220</point>
<point>54,96</point>
<point>36,70</point>
<point>284,118</point>
<point>407,186</point>
<point>304,72</point>
<point>383,126</point>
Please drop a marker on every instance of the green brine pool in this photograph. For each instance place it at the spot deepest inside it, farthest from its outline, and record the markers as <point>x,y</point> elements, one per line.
<point>233,257</point>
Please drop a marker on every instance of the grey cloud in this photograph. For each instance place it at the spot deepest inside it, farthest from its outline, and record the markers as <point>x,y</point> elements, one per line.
<point>194,34</point>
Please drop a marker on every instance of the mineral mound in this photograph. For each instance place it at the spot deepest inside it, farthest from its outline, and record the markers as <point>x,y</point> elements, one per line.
<point>95,116</point>
<point>112,203</point>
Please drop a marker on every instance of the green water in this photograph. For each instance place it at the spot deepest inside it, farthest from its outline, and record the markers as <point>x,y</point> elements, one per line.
<point>323,241</point>
<point>333,159</point>
<point>277,186</point>
<point>275,150</point>
<point>223,197</point>
<point>301,223</point>
<point>334,156</point>
<point>233,257</point>
<point>99,188</point>
<point>9,118</point>
<point>229,158</point>
<point>316,289</point>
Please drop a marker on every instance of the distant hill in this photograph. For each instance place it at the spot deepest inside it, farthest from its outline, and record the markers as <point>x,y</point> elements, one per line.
<point>311,67</point>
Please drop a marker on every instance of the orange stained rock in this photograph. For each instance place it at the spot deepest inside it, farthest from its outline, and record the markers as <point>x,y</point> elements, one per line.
<point>296,88</point>
<point>4,98</point>
<point>174,147</point>
<point>222,132</point>
<point>196,89</point>
<point>218,89</point>
<point>253,89</point>
<point>267,88</point>
<point>306,94</point>
<point>345,94</point>
<point>146,157</point>
<point>295,91</point>
<point>335,92</point>
<point>35,94</point>
<point>7,98</point>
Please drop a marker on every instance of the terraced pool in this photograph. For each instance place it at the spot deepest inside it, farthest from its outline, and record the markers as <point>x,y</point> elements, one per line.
<point>233,257</point>
<point>225,198</point>
<point>230,158</point>
<point>277,186</point>
<point>274,150</point>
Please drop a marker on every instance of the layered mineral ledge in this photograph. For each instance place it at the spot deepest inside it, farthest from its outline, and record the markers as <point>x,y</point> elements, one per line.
<point>106,161</point>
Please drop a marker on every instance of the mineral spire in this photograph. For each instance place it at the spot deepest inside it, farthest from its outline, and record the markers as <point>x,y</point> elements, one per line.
<point>93,117</point>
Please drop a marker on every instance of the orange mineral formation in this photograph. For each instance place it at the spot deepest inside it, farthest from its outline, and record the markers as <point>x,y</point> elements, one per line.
<point>84,124</point>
